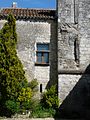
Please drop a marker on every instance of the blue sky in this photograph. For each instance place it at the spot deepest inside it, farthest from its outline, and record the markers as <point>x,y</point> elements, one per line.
<point>29,3</point>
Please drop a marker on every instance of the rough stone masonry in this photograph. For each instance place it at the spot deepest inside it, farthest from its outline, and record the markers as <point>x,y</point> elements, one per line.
<point>35,27</point>
<point>74,56</point>
<point>67,31</point>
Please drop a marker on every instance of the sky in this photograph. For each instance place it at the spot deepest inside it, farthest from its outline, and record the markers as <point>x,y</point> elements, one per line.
<point>51,4</point>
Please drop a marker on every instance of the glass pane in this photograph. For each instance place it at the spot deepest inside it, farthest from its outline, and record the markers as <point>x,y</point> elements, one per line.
<point>39,57</point>
<point>42,46</point>
<point>46,57</point>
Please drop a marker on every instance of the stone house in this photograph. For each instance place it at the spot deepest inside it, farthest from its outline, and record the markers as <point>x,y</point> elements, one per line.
<point>36,47</point>
<point>54,45</point>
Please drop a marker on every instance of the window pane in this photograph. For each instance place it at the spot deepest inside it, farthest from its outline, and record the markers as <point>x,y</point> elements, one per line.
<point>42,53</point>
<point>46,58</point>
<point>39,57</point>
<point>42,47</point>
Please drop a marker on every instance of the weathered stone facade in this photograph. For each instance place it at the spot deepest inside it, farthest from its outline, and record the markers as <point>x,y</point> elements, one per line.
<point>68,44</point>
<point>73,38</point>
<point>68,33</point>
<point>68,36</point>
<point>30,33</point>
<point>74,57</point>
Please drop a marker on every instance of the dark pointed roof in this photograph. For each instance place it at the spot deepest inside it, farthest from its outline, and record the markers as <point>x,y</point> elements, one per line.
<point>26,13</point>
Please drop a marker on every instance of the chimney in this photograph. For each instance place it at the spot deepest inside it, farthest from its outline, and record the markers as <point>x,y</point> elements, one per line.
<point>14,5</point>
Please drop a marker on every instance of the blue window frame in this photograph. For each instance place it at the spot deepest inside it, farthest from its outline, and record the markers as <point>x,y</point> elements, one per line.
<point>42,53</point>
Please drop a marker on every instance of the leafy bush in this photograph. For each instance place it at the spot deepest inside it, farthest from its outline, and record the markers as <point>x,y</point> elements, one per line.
<point>12,75</point>
<point>50,98</point>
<point>25,95</point>
<point>13,83</point>
<point>24,98</point>
<point>47,106</point>
<point>33,85</point>
<point>12,106</point>
<point>40,112</point>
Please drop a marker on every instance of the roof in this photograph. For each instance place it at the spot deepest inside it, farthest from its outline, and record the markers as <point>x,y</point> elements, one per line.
<point>26,13</point>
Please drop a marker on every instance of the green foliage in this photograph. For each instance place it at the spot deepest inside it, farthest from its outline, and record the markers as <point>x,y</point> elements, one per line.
<point>41,112</point>
<point>16,93</point>
<point>25,97</point>
<point>50,98</point>
<point>12,106</point>
<point>47,106</point>
<point>33,85</point>
<point>12,75</point>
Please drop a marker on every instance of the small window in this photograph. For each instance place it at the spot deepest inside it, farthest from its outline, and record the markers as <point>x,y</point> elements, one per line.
<point>42,54</point>
<point>40,88</point>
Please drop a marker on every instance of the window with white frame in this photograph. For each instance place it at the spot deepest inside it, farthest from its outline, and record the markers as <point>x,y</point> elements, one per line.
<point>42,53</point>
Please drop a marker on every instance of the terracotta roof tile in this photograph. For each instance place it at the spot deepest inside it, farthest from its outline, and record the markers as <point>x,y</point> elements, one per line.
<point>28,13</point>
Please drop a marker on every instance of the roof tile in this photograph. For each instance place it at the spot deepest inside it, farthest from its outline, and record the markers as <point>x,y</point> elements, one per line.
<point>28,13</point>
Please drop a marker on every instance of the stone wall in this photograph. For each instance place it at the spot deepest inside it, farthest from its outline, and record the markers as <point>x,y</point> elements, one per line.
<point>2,23</point>
<point>68,47</point>
<point>66,84</point>
<point>29,34</point>
<point>76,100</point>
<point>67,36</point>
<point>84,30</point>
<point>73,41</point>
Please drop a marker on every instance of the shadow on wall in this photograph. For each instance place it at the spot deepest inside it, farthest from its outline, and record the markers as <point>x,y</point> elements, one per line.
<point>53,56</point>
<point>77,103</point>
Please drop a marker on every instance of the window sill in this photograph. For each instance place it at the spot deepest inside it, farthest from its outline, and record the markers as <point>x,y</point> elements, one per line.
<point>41,64</point>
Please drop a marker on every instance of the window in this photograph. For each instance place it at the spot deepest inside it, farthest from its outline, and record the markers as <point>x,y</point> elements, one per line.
<point>40,88</point>
<point>42,54</point>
